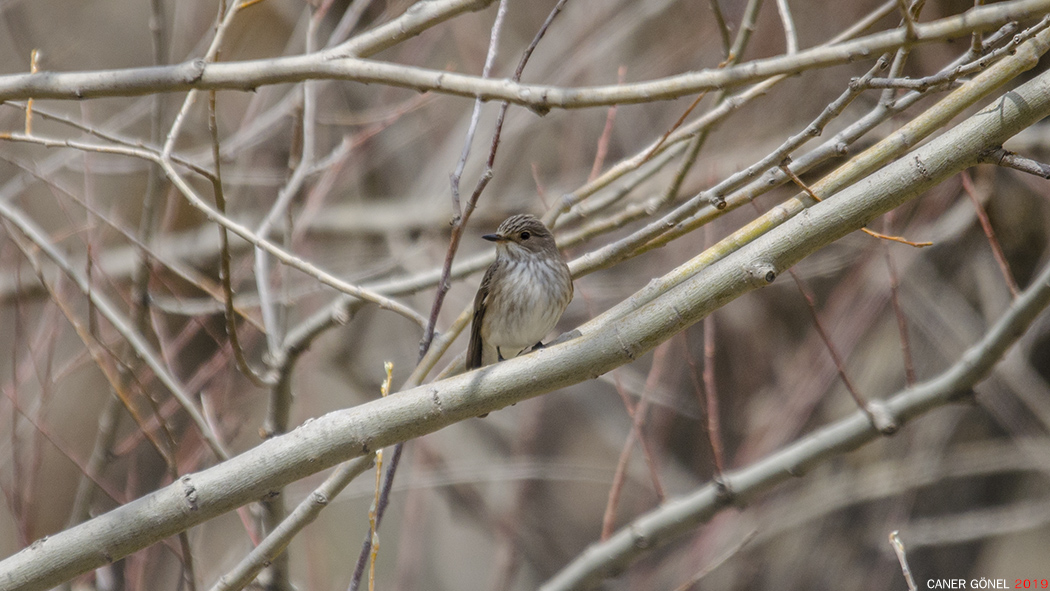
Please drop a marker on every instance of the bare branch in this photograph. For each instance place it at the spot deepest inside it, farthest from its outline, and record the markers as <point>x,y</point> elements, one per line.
<point>790,35</point>
<point>1010,160</point>
<point>304,514</point>
<point>249,75</point>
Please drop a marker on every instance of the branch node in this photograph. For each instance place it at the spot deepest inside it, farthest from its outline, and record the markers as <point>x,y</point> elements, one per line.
<point>882,418</point>
<point>993,154</point>
<point>626,347</point>
<point>436,399</point>
<point>197,67</point>
<point>341,315</point>
<point>724,493</point>
<point>189,492</point>
<point>921,167</point>
<point>567,201</point>
<point>37,544</point>
<point>761,273</point>
<point>540,110</point>
<point>638,539</point>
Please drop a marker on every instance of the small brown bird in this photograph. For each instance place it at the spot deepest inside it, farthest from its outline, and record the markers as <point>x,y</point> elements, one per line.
<point>522,295</point>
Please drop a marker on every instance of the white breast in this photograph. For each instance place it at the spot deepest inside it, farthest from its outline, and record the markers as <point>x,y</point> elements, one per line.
<point>520,317</point>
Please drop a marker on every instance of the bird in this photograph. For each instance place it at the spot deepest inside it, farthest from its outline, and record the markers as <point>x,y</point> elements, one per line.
<point>522,295</point>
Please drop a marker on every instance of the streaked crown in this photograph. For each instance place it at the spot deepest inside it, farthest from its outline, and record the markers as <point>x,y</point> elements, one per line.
<point>527,231</point>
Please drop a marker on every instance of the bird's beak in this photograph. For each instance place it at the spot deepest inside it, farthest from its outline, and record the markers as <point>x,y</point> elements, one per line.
<point>494,238</point>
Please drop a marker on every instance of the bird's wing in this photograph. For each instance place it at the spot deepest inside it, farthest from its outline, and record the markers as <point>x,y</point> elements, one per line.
<point>481,301</point>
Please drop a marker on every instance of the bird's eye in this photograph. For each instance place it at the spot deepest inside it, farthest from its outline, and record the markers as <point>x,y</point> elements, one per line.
<point>525,235</point>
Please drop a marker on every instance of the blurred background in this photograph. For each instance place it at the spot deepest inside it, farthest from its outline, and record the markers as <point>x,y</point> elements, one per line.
<point>506,501</point>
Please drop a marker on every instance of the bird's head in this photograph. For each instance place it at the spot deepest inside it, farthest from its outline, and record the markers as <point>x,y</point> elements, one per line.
<point>523,235</point>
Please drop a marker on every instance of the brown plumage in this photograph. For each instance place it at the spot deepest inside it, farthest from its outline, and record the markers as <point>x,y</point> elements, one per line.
<point>522,295</point>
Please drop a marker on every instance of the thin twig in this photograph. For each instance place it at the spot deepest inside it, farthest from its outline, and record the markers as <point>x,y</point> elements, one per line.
<point>937,83</point>
<point>303,168</point>
<point>222,24</point>
<point>743,34</point>
<point>714,422</point>
<point>606,136</point>
<point>109,417</point>
<point>896,239</point>
<point>908,14</point>
<point>989,232</point>
<point>1007,159</point>
<point>304,514</point>
<point>303,154</point>
<point>728,554</point>
<point>34,64</point>
<point>788,24</point>
<point>224,259</point>
<point>900,58</point>
<point>949,78</point>
<point>898,312</point>
<point>475,114</point>
<point>531,432</point>
<point>111,137</point>
<point>660,143</point>
<point>902,558</point>
<point>976,40</point>
<point>637,414</point>
<point>807,295</point>
<point>816,199</point>
<point>702,402</point>
<point>186,557</point>
<point>723,28</point>
<point>461,216</point>
<point>373,523</point>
